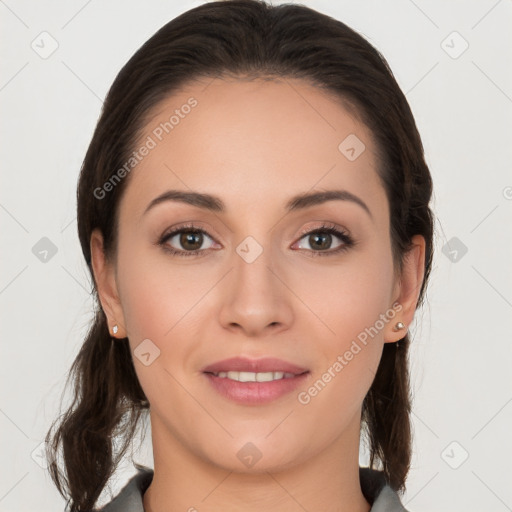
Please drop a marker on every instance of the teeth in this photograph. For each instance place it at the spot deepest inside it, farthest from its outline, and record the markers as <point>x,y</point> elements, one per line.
<point>255,377</point>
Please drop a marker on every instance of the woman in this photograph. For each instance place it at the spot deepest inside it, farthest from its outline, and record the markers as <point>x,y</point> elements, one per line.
<point>254,211</point>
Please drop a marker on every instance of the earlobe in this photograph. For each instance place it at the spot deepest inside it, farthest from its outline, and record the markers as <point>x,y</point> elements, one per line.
<point>104,277</point>
<point>409,287</point>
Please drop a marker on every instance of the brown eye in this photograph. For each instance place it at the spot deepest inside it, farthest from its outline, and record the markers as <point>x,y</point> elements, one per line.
<point>186,241</point>
<point>320,241</point>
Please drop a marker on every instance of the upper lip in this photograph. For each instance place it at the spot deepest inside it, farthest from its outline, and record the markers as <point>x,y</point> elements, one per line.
<point>242,364</point>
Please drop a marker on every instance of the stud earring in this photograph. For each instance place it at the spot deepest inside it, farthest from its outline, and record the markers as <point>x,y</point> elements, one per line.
<point>399,326</point>
<point>115,329</point>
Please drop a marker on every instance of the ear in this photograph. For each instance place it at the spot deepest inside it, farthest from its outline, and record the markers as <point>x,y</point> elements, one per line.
<point>407,289</point>
<point>105,278</point>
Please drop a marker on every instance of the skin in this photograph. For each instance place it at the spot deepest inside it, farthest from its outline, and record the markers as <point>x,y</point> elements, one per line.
<point>255,144</point>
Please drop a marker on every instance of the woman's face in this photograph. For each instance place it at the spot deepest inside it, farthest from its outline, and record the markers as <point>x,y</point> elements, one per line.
<point>260,286</point>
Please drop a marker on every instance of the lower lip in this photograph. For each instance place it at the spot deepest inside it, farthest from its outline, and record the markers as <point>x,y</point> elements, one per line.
<point>255,392</point>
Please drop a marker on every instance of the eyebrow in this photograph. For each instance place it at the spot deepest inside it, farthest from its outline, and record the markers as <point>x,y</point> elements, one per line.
<point>298,202</point>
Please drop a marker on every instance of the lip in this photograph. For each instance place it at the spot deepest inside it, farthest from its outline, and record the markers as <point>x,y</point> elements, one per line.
<point>254,393</point>
<point>243,364</point>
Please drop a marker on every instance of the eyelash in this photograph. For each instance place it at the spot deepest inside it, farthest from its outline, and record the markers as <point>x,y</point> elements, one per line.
<point>330,229</point>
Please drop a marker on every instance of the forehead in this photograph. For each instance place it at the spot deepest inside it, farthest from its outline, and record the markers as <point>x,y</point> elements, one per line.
<point>245,140</point>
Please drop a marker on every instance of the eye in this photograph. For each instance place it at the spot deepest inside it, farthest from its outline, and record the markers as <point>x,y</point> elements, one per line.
<point>189,240</point>
<point>320,240</point>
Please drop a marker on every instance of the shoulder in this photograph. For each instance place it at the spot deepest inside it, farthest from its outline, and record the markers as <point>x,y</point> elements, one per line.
<point>129,499</point>
<point>381,496</point>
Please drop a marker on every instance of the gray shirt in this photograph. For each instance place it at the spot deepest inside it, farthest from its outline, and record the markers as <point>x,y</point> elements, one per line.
<point>377,492</point>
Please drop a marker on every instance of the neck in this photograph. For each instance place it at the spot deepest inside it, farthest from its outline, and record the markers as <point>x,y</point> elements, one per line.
<point>183,481</point>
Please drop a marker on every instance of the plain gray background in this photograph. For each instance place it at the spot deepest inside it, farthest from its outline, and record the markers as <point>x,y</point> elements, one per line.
<point>461,354</point>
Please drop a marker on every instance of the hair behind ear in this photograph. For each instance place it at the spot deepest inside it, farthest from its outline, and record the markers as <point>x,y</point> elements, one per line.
<point>386,414</point>
<point>106,391</point>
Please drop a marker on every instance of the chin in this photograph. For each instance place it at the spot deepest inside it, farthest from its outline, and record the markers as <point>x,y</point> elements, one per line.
<point>256,456</point>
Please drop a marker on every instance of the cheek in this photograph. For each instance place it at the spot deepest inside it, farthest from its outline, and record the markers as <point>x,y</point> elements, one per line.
<point>349,297</point>
<point>159,302</point>
<point>350,302</point>
<point>155,293</point>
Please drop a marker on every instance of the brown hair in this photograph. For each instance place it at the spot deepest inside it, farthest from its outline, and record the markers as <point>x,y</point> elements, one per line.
<point>238,38</point>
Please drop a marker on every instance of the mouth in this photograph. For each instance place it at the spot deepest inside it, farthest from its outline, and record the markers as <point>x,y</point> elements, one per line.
<point>256,381</point>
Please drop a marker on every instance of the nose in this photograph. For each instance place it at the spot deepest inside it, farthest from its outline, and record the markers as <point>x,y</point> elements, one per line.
<point>256,299</point>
